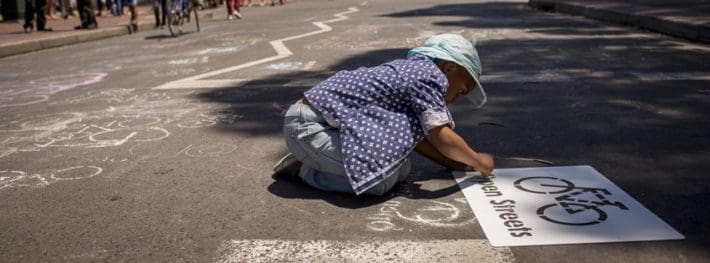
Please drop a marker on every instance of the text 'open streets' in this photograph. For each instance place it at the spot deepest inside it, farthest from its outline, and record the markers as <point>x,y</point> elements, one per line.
<point>558,205</point>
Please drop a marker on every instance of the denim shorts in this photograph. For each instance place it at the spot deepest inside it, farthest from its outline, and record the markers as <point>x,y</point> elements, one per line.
<point>317,145</point>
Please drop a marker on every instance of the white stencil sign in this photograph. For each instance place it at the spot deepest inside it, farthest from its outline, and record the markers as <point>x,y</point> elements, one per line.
<point>558,205</point>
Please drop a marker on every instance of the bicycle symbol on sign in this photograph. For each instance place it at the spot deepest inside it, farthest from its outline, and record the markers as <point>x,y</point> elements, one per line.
<point>569,209</point>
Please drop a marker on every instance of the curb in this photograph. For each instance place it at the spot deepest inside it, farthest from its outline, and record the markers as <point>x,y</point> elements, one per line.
<point>101,33</point>
<point>690,31</point>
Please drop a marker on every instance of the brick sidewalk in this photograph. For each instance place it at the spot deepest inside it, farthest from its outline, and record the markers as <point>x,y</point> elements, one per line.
<point>688,19</point>
<point>13,39</point>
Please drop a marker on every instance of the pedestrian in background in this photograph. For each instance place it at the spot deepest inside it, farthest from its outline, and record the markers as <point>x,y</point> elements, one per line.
<point>249,3</point>
<point>66,8</point>
<point>50,9</point>
<point>35,9</point>
<point>233,9</point>
<point>117,7</point>
<point>86,14</point>
<point>101,4</point>
<point>134,16</point>
<point>160,10</point>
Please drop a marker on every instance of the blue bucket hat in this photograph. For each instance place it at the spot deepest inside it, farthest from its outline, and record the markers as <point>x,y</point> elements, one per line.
<point>456,49</point>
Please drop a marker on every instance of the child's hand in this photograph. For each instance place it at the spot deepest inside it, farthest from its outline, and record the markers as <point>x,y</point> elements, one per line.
<point>486,162</point>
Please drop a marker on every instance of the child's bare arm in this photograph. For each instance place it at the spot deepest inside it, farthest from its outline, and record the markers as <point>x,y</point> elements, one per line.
<point>426,149</point>
<point>451,145</point>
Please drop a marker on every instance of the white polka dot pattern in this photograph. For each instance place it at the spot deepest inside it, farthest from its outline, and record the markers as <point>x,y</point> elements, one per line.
<point>382,113</point>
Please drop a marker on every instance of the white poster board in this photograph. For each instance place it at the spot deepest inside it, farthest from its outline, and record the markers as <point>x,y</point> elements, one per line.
<point>558,205</point>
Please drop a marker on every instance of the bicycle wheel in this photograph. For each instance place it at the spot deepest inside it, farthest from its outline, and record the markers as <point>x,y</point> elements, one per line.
<point>190,23</point>
<point>543,185</point>
<point>584,216</point>
<point>174,18</point>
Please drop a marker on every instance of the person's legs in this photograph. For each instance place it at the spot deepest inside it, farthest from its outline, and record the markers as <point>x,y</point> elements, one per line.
<point>134,16</point>
<point>164,12</point>
<point>132,9</point>
<point>67,9</point>
<point>398,176</point>
<point>117,7</point>
<point>49,9</point>
<point>82,15</point>
<point>237,4</point>
<point>29,15</point>
<point>86,13</point>
<point>156,12</point>
<point>312,141</point>
<point>114,7</point>
<point>230,9</point>
<point>39,7</point>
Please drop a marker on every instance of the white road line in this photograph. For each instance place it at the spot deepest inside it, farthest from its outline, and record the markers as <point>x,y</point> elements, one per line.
<point>260,250</point>
<point>309,65</point>
<point>281,52</point>
<point>207,84</point>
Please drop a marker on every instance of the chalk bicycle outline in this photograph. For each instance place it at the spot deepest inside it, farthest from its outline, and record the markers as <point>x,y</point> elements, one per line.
<point>567,200</point>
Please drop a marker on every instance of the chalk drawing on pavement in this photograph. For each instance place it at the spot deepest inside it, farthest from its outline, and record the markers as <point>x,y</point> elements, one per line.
<point>75,129</point>
<point>205,120</point>
<point>25,93</point>
<point>284,66</point>
<point>209,150</point>
<point>13,178</point>
<point>394,216</point>
<point>76,172</point>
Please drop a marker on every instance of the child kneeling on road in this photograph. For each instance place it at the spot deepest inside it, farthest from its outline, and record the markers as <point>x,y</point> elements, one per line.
<point>354,131</point>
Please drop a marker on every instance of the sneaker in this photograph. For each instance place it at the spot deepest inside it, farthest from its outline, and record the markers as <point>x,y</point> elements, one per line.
<point>288,168</point>
<point>238,15</point>
<point>230,17</point>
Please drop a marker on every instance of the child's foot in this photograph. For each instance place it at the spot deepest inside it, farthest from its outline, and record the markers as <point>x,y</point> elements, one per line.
<point>230,17</point>
<point>288,168</point>
<point>237,15</point>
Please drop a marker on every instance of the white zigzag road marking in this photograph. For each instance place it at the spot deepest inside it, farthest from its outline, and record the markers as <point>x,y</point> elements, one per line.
<point>196,82</point>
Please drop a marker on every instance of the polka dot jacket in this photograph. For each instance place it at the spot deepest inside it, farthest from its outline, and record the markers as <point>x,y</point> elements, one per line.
<point>382,113</point>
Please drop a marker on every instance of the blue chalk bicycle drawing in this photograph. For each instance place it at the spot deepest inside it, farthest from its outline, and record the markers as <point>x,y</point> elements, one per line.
<point>569,209</point>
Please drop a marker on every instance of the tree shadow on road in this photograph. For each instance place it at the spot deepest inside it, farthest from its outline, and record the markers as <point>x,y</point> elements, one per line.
<point>648,137</point>
<point>412,188</point>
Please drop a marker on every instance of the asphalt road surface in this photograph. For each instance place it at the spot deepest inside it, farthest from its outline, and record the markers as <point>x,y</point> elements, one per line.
<point>152,148</point>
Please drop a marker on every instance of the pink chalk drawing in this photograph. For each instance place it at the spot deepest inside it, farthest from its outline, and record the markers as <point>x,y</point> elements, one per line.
<point>40,90</point>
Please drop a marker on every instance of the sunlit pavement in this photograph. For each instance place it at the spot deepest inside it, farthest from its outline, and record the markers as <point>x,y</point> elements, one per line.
<point>153,148</point>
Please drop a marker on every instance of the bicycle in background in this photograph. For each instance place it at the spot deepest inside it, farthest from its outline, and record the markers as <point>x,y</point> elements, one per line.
<point>179,16</point>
